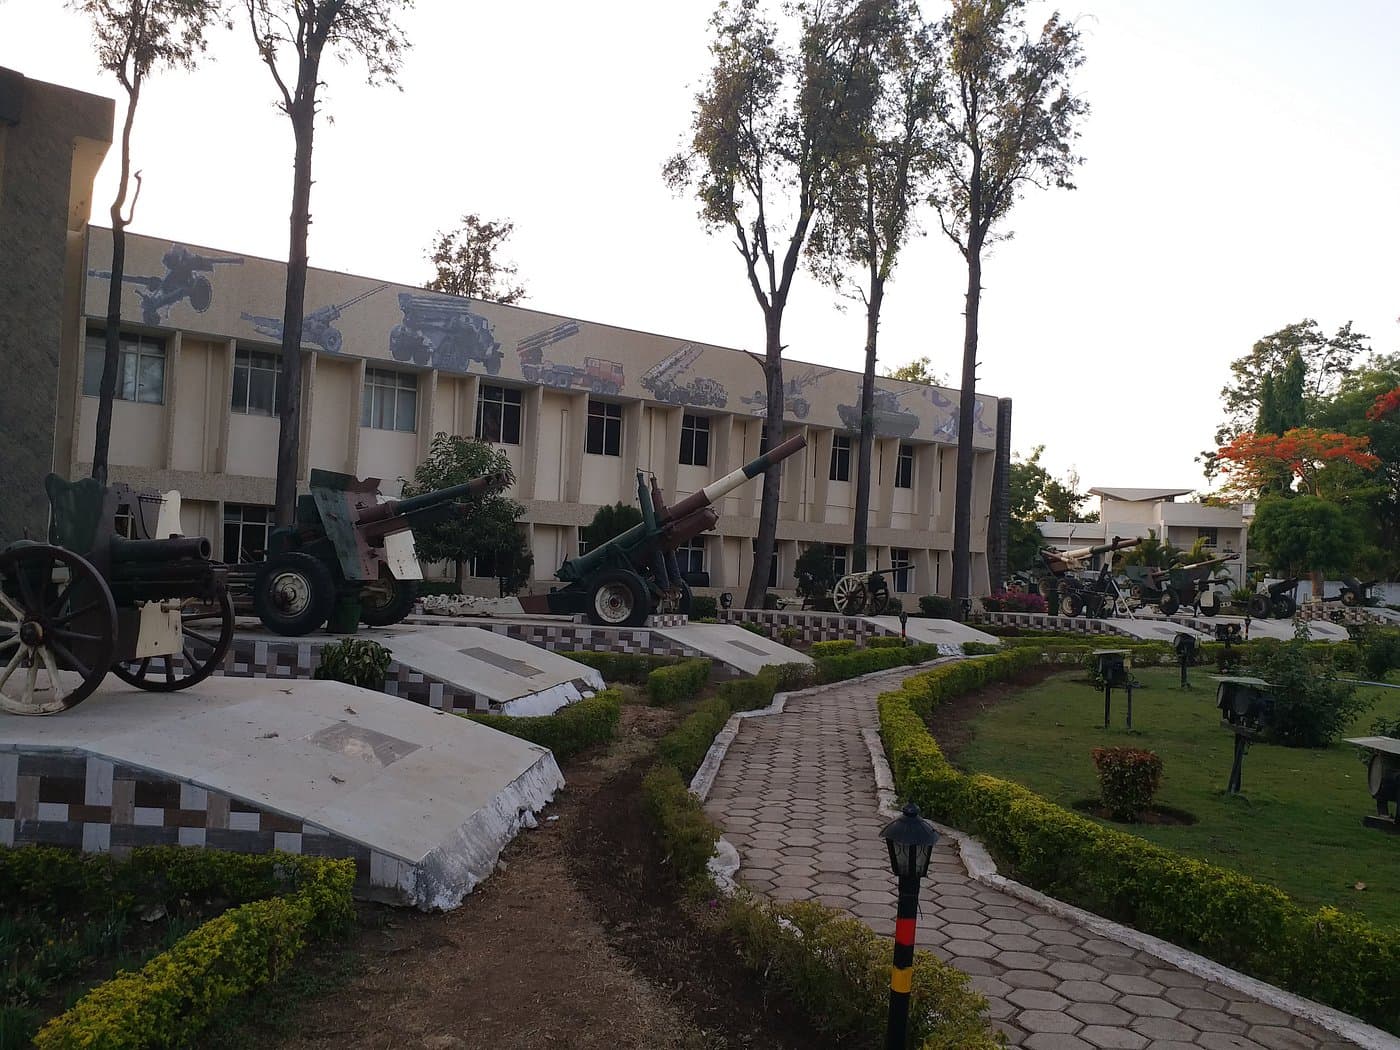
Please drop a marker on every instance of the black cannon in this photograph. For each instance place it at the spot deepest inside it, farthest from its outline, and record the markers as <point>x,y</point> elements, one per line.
<point>154,611</point>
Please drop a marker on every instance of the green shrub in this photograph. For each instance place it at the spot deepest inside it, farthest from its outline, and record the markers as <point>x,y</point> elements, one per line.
<point>1128,779</point>
<point>940,608</point>
<point>754,628</point>
<point>885,641</point>
<point>685,746</point>
<point>789,678</point>
<point>1380,654</point>
<point>749,694</point>
<point>570,729</point>
<point>355,661</point>
<point>681,681</point>
<point>686,834</point>
<point>1325,955</point>
<point>789,636</point>
<point>703,607</point>
<point>631,668</point>
<point>863,661</point>
<point>835,648</point>
<point>1311,707</point>
<point>979,648</point>
<point>838,972</point>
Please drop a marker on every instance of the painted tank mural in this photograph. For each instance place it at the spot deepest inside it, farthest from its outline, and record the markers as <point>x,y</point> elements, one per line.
<point>219,295</point>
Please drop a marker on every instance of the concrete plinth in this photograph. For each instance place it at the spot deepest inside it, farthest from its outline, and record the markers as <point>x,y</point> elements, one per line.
<point>922,630</point>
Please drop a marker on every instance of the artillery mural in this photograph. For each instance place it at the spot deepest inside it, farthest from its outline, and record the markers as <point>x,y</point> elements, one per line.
<point>443,331</point>
<point>666,380</point>
<point>795,403</point>
<point>186,277</point>
<point>892,419</point>
<point>598,375</point>
<point>317,327</point>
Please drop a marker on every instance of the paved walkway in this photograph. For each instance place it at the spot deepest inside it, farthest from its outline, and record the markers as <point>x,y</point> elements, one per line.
<point>796,796</point>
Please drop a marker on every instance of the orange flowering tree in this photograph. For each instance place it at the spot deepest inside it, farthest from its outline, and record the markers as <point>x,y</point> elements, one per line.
<point>1254,462</point>
<point>1386,405</point>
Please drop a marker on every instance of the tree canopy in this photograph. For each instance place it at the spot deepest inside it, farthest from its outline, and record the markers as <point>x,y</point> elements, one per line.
<point>1301,534</point>
<point>919,370</point>
<point>467,261</point>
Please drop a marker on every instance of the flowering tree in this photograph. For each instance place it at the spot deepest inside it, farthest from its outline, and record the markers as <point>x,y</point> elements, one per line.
<point>1252,461</point>
<point>1385,405</point>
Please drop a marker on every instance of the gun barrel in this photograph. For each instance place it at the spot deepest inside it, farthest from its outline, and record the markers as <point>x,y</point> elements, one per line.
<point>413,504</point>
<point>719,489</point>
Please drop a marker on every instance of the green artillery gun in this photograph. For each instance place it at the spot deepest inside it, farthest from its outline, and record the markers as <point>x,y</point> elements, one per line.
<point>621,582</point>
<point>153,609</point>
<point>348,541</point>
<point>1060,582</point>
<point>1180,585</point>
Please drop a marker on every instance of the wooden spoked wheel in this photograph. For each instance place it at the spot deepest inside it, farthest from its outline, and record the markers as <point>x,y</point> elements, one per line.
<point>207,630</point>
<point>58,629</point>
<point>849,595</point>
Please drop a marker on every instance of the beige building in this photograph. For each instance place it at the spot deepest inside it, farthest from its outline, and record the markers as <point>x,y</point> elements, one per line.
<point>578,407</point>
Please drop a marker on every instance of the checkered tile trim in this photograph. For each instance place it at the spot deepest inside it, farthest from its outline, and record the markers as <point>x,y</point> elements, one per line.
<point>1045,621</point>
<point>810,626</point>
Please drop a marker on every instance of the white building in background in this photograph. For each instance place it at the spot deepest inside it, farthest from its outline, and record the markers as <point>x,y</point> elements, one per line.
<point>1133,512</point>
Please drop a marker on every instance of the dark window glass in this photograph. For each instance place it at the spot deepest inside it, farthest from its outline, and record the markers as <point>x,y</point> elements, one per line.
<point>604,429</point>
<point>255,382</point>
<point>691,555</point>
<point>840,458</point>
<point>903,570</point>
<point>904,468</point>
<point>498,415</point>
<point>838,559</point>
<point>245,532</point>
<point>695,441</point>
<point>141,368</point>
<point>390,400</point>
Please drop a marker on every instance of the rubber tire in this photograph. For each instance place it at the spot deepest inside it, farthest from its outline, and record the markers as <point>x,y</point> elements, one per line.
<point>319,583</point>
<point>1169,603</point>
<point>1212,608</point>
<point>686,600</point>
<point>1283,607</point>
<point>1350,598</point>
<point>402,595</point>
<point>1259,606</point>
<point>1070,605</point>
<point>641,601</point>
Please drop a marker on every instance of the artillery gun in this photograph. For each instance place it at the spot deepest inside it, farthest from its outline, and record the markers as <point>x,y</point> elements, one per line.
<point>1061,583</point>
<point>443,331</point>
<point>663,379</point>
<point>891,418</point>
<point>317,327</point>
<point>91,601</point>
<point>184,278</point>
<point>862,592</point>
<point>794,403</point>
<point>347,539</point>
<point>621,582</point>
<point>1179,585</point>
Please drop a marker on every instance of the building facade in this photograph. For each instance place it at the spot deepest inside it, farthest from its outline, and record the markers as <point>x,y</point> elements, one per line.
<point>578,407</point>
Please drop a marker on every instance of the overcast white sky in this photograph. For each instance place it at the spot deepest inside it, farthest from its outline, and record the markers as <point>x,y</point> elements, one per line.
<point>1242,171</point>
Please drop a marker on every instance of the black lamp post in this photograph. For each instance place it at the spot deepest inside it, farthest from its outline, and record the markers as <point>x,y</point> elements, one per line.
<point>1185,646</point>
<point>910,839</point>
<point>904,625</point>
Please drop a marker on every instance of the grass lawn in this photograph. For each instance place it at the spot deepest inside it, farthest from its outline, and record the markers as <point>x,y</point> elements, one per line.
<point>1297,824</point>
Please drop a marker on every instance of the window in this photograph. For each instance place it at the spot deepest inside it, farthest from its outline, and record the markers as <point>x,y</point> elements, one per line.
<point>1210,535</point>
<point>604,429</point>
<point>840,457</point>
<point>498,415</point>
<point>484,566</point>
<point>125,525</point>
<point>903,566</point>
<point>838,559</point>
<point>245,532</point>
<point>390,401</point>
<point>904,468</point>
<point>691,555</point>
<point>141,371</point>
<point>255,382</point>
<point>772,566</point>
<point>695,441</point>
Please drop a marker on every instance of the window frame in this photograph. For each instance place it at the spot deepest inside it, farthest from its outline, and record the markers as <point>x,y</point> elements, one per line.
<point>840,468</point>
<point>242,525</point>
<point>687,553</point>
<point>697,429</point>
<point>136,347</point>
<point>510,403</point>
<point>904,466</point>
<point>377,388</point>
<point>604,423</point>
<point>243,359</point>
<point>902,570</point>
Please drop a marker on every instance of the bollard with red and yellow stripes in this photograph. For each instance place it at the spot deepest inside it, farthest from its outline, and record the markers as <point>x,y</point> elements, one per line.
<point>911,840</point>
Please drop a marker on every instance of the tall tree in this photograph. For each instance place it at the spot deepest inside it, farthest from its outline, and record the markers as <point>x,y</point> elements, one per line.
<point>766,133</point>
<point>877,185</point>
<point>919,370</point>
<point>134,38</point>
<point>467,263</point>
<point>1304,534</point>
<point>291,37</point>
<point>1009,120</point>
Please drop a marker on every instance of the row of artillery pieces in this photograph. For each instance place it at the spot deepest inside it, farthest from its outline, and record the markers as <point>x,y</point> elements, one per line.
<point>1204,587</point>
<point>116,588</point>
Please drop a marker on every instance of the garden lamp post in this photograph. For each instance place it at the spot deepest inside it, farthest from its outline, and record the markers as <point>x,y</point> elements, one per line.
<point>904,625</point>
<point>1185,646</point>
<point>910,839</point>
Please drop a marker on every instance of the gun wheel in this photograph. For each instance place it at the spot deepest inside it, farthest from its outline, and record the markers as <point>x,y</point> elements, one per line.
<point>1283,607</point>
<point>386,601</point>
<point>849,595</point>
<point>618,599</point>
<point>293,593</point>
<point>1071,605</point>
<point>58,629</point>
<point>879,594</point>
<point>1350,598</point>
<point>1168,603</point>
<point>1259,606</point>
<point>206,632</point>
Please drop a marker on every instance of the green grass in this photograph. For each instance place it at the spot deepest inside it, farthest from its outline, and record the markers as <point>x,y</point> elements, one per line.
<point>1297,824</point>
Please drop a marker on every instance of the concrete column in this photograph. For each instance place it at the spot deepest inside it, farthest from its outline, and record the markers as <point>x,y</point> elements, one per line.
<point>308,411</point>
<point>669,468</point>
<point>882,499</point>
<point>172,400</point>
<point>224,419</point>
<point>428,422</point>
<point>468,390</point>
<point>633,433</point>
<point>531,409</point>
<point>726,450</point>
<point>352,437</point>
<point>576,426</point>
<point>800,489</point>
<point>925,485</point>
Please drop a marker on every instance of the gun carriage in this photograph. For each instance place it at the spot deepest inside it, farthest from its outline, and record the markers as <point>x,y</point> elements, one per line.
<point>154,609</point>
<point>1063,584</point>
<point>1179,586</point>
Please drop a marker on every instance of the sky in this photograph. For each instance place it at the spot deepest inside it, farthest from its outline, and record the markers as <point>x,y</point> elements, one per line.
<point>1242,165</point>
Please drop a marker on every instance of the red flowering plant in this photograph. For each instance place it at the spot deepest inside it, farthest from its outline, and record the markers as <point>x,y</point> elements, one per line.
<point>1386,404</point>
<point>1014,601</point>
<point>1252,462</point>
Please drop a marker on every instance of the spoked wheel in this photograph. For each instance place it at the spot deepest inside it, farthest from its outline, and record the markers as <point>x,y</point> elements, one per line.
<point>849,595</point>
<point>1259,605</point>
<point>879,598</point>
<point>1350,598</point>
<point>58,629</point>
<point>1071,605</point>
<point>1283,606</point>
<point>207,629</point>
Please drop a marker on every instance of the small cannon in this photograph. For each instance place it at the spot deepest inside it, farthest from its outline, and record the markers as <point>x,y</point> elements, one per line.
<point>1277,599</point>
<point>620,583</point>
<point>348,539</point>
<point>91,601</point>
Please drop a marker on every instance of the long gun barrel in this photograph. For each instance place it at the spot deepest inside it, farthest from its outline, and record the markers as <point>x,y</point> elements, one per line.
<point>395,515</point>
<point>716,490</point>
<point>1063,561</point>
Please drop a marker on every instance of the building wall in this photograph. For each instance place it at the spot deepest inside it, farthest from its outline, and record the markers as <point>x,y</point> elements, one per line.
<point>456,349</point>
<point>52,141</point>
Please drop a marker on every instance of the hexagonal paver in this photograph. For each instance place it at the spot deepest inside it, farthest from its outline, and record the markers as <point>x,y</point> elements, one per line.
<point>1212,1021</point>
<point>1226,1041</point>
<point>1015,942</point>
<point>1086,991</point>
<point>1056,1041</point>
<point>1278,1038</point>
<point>1047,1021</point>
<point>1259,1013</point>
<point>963,931</point>
<point>1164,1029</point>
<point>1075,971</point>
<point>1133,984</point>
<point>1099,1035</point>
<point>1148,1006</point>
<point>1029,979</point>
<point>1037,999</point>
<point>1194,998</point>
<point>975,949</point>
<point>1100,1014</point>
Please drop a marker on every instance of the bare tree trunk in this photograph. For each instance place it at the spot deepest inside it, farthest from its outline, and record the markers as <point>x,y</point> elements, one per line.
<point>303,118</point>
<point>967,403</point>
<point>861,533</point>
<point>111,358</point>
<point>772,478</point>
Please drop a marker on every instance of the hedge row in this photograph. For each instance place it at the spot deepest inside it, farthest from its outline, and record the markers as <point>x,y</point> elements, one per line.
<point>677,682</point>
<point>176,994</point>
<point>567,731</point>
<point>863,661</point>
<point>1323,954</point>
<point>632,668</point>
<point>886,641</point>
<point>821,650</point>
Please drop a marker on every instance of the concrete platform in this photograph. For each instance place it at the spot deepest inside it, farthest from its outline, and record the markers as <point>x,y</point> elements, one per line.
<point>423,801</point>
<point>949,633</point>
<point>1155,630</point>
<point>730,644</point>
<point>1321,630</point>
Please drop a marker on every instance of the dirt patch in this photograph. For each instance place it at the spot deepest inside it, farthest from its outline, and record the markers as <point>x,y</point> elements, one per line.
<point>951,721</point>
<point>1160,815</point>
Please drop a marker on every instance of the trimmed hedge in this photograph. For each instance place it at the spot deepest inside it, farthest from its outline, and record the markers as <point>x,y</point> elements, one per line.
<point>886,641</point>
<point>632,668</point>
<point>863,661</point>
<point>703,607</point>
<point>685,746</point>
<point>1324,954</point>
<point>820,650</point>
<point>681,681</point>
<point>567,731</point>
<point>179,992</point>
<point>686,833</point>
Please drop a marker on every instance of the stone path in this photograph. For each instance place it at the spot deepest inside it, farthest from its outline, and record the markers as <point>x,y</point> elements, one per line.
<point>796,796</point>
